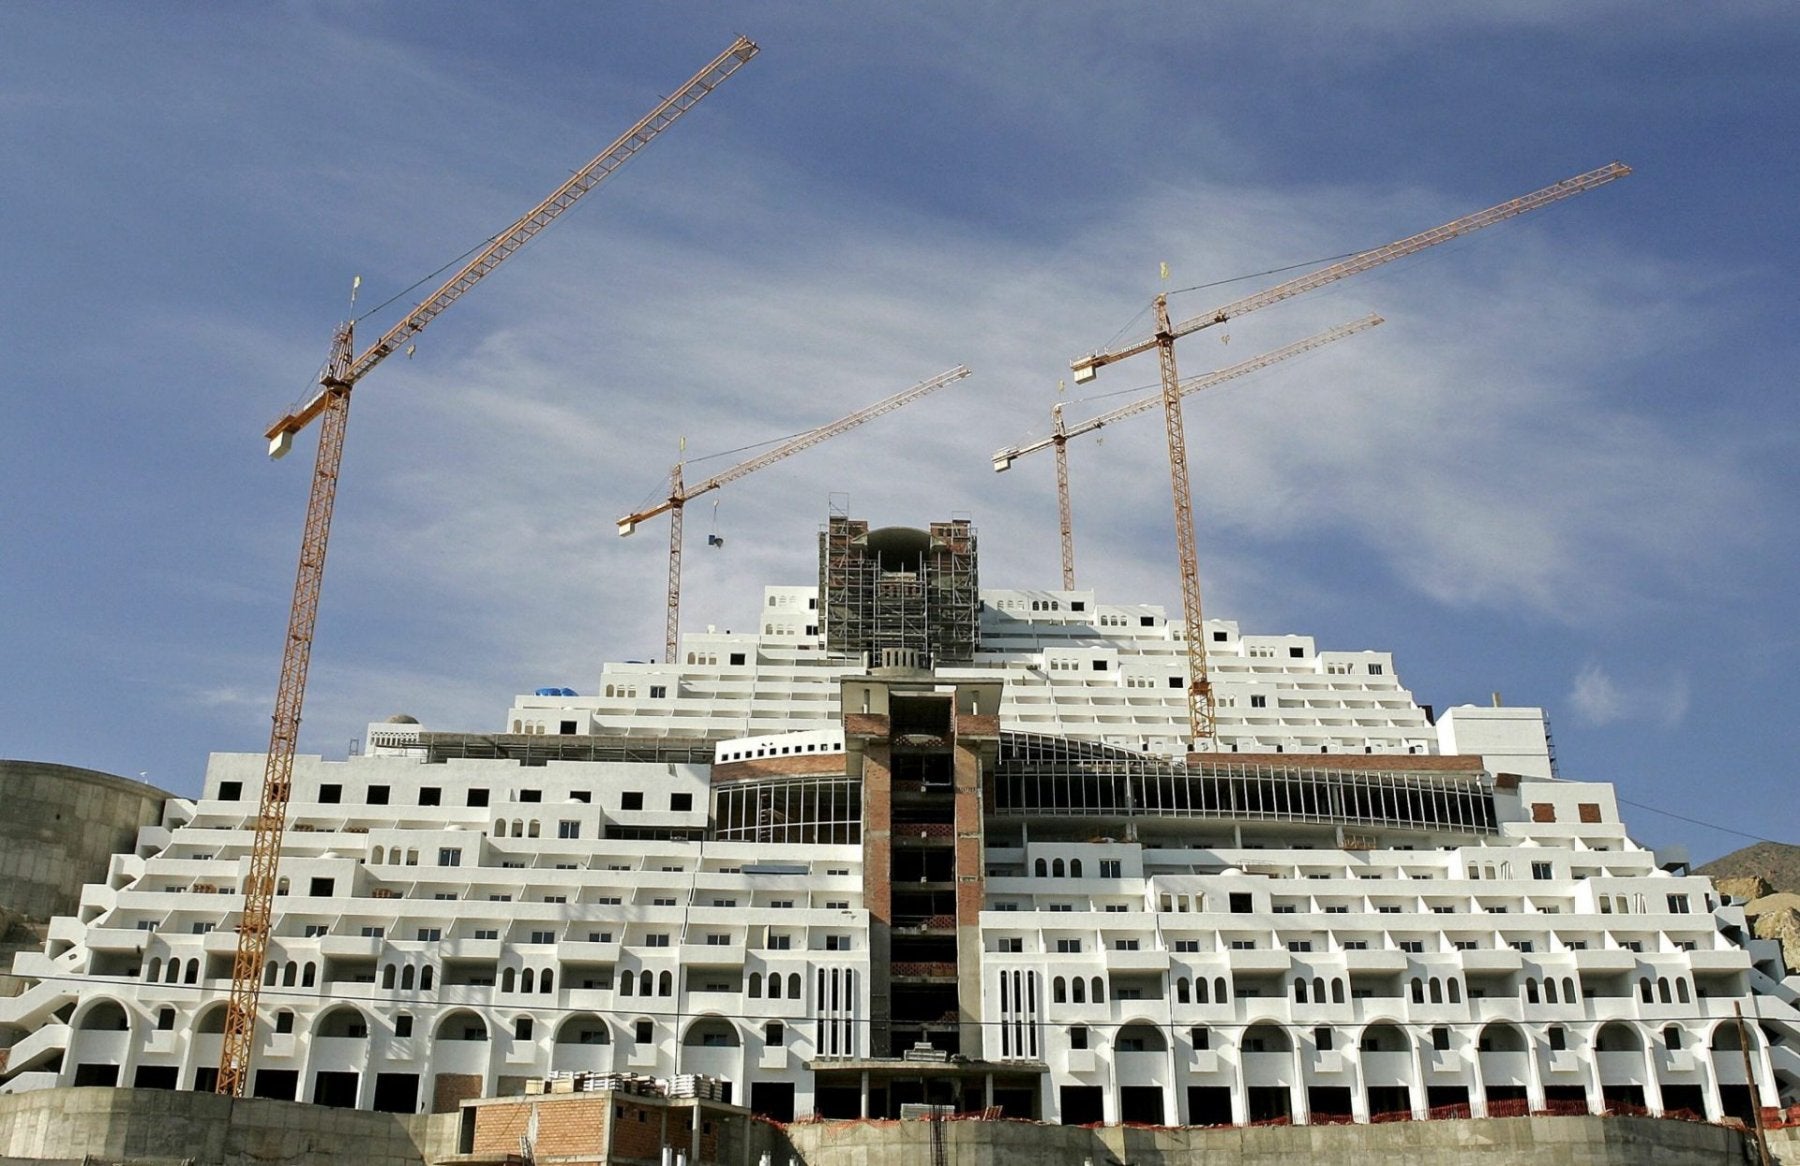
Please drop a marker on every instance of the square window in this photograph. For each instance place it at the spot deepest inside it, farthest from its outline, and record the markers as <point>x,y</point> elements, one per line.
<point>284,1021</point>
<point>522,1028</point>
<point>1258,702</point>
<point>478,797</point>
<point>378,795</point>
<point>449,856</point>
<point>568,829</point>
<point>531,795</point>
<point>659,691</point>
<point>1376,669</point>
<point>681,803</point>
<point>230,791</point>
<point>1078,1036</point>
<point>566,728</point>
<point>1322,1038</point>
<point>431,795</point>
<point>631,799</point>
<point>1219,637</point>
<point>403,1025</point>
<point>643,1032</point>
<point>331,793</point>
<point>737,657</point>
<point>321,888</point>
<point>1440,1039</point>
<point>1296,653</point>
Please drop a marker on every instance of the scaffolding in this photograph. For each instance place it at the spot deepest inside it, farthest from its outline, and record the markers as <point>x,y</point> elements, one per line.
<point>899,594</point>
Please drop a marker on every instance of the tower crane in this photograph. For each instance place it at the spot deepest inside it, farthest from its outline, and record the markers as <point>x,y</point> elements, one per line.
<point>1060,435</point>
<point>681,494</point>
<point>1202,718</point>
<point>331,403</point>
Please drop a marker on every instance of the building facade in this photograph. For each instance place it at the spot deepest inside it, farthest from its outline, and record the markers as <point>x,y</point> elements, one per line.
<point>908,841</point>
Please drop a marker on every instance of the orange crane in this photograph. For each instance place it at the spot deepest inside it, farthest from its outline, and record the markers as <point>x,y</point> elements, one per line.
<point>680,494</point>
<point>1202,719</point>
<point>332,402</point>
<point>1060,435</point>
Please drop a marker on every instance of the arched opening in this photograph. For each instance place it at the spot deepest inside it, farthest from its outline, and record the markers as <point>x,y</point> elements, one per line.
<point>1337,991</point>
<point>1266,1037</point>
<point>1183,991</point>
<point>425,978</point>
<point>1138,1037</point>
<point>342,1022</point>
<point>1220,996</point>
<point>388,977</point>
<point>628,984</point>
<point>1098,990</point>
<point>1074,868</point>
<point>288,975</point>
<point>1383,1038</point>
<point>1059,991</point>
<point>1079,987</point>
<point>1618,1037</point>
<point>461,1025</point>
<point>584,1028</point>
<point>212,1019</point>
<point>406,978</point>
<point>1662,990</point>
<point>192,974</point>
<point>309,975</point>
<point>1319,989</point>
<point>711,1032</point>
<point>793,985</point>
<point>1041,869</point>
<point>1501,1038</point>
<point>509,979</point>
<point>1437,990</point>
<point>106,1016</point>
<point>531,831</point>
<point>1681,991</point>
<point>756,986</point>
<point>665,984</point>
<point>1300,991</point>
<point>1056,869</point>
<point>646,982</point>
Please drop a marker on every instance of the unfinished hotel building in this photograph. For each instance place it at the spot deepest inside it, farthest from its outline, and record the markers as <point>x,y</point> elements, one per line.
<point>910,841</point>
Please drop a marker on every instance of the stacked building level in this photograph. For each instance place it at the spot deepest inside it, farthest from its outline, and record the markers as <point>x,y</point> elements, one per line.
<point>904,841</point>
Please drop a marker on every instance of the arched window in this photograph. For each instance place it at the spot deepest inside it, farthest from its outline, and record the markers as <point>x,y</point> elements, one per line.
<point>1531,990</point>
<point>755,985</point>
<point>1437,990</point>
<point>499,827</point>
<point>1200,990</point>
<point>1418,990</point>
<point>1079,987</point>
<point>793,985</point>
<point>509,980</point>
<point>1662,990</point>
<point>1299,991</point>
<point>1569,994</point>
<point>531,831</point>
<point>406,978</point>
<point>1059,991</point>
<point>1681,990</point>
<point>1056,868</point>
<point>1318,989</point>
<point>1455,992</point>
<point>1220,996</point>
<point>425,978</point>
<point>1182,991</point>
<point>193,973</point>
<point>645,983</point>
<point>1099,991</point>
<point>1644,989</point>
<point>1041,868</point>
<point>627,981</point>
<point>377,856</point>
<point>1074,868</point>
<point>1337,992</point>
<point>665,984</point>
<point>287,974</point>
<point>387,977</point>
<point>774,985</point>
<point>308,975</point>
<point>518,829</point>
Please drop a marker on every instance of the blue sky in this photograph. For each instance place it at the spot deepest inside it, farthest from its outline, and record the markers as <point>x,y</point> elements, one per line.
<point>1563,469</point>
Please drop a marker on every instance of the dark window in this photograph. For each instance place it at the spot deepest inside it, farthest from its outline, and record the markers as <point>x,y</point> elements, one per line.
<point>1558,1038</point>
<point>643,1032</point>
<point>581,795</point>
<point>681,801</point>
<point>522,1028</point>
<point>659,691</point>
<point>1297,653</point>
<point>1099,665</point>
<point>631,799</point>
<point>403,1024</point>
<point>1440,1039</point>
<point>284,1021</point>
<point>737,657</point>
<point>230,791</point>
<point>478,797</point>
<point>1257,702</point>
<point>331,793</point>
<point>378,795</point>
<point>1322,1038</point>
<point>1146,621</point>
<point>1174,682</point>
<point>1202,1038</point>
<point>1219,637</point>
<point>566,829</point>
<point>531,795</point>
<point>321,888</point>
<point>431,795</point>
<point>567,728</point>
<point>1240,903</point>
<point>1078,1036</point>
<point>165,1020</point>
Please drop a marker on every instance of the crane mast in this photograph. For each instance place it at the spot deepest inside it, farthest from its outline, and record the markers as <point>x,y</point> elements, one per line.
<point>680,495</point>
<point>1061,433</point>
<point>332,403</point>
<point>1201,707</point>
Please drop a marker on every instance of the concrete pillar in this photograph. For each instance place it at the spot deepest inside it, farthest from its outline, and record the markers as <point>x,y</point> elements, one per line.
<point>1359,1085</point>
<point>864,1105</point>
<point>1652,1081</point>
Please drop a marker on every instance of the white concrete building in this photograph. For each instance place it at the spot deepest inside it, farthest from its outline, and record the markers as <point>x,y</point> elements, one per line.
<point>984,871</point>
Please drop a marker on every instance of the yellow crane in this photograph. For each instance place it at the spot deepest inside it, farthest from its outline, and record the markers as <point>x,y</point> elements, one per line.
<point>332,403</point>
<point>1202,717</point>
<point>1060,434</point>
<point>681,494</point>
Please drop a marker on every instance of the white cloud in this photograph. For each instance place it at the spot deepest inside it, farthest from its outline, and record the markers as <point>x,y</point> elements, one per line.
<point>1599,700</point>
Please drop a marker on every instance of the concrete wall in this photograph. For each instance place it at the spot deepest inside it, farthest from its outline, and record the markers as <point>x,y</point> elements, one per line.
<point>151,1126</point>
<point>1537,1141</point>
<point>61,827</point>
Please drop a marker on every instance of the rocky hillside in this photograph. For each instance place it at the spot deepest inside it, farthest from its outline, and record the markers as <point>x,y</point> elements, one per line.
<point>1768,875</point>
<point>1776,864</point>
